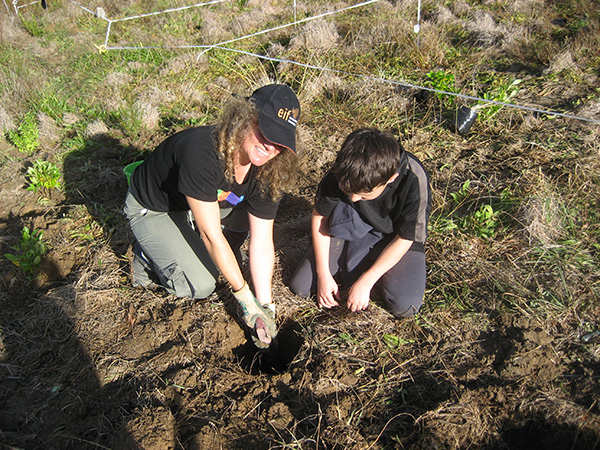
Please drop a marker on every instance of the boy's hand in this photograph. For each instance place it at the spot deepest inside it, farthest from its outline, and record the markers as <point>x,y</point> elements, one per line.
<point>359,296</point>
<point>328,292</point>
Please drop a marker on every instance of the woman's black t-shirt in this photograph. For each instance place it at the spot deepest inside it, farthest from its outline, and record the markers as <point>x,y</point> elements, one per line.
<point>187,164</point>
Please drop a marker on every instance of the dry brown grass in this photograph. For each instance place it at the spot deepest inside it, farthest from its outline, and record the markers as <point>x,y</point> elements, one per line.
<point>6,122</point>
<point>543,213</point>
<point>317,35</point>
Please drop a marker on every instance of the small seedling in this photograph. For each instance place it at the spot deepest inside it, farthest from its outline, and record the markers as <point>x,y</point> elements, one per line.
<point>460,196</point>
<point>29,251</point>
<point>26,137</point>
<point>349,339</point>
<point>483,222</point>
<point>130,117</point>
<point>43,176</point>
<point>442,225</point>
<point>394,342</point>
<point>33,28</point>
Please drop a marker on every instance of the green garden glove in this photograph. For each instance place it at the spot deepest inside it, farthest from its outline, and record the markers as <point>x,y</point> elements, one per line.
<point>259,318</point>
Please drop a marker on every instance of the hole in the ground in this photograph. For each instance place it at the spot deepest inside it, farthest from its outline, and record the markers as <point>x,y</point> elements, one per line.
<point>277,358</point>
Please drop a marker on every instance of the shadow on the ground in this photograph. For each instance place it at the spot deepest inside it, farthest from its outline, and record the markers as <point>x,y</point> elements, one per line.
<point>50,395</point>
<point>93,177</point>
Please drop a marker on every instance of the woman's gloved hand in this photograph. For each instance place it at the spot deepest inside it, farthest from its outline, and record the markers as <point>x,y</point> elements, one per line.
<point>259,318</point>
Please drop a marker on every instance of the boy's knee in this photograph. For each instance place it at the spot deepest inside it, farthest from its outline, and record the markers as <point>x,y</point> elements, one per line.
<point>403,306</point>
<point>402,299</point>
<point>303,281</point>
<point>299,287</point>
<point>402,312</point>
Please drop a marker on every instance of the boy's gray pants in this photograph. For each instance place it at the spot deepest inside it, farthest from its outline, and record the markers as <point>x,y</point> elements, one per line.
<point>180,259</point>
<point>402,288</point>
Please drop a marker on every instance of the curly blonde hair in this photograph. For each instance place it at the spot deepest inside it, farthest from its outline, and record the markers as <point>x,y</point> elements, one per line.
<point>239,117</point>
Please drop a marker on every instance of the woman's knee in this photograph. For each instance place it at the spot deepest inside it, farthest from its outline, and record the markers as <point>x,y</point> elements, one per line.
<point>203,290</point>
<point>180,284</point>
<point>202,287</point>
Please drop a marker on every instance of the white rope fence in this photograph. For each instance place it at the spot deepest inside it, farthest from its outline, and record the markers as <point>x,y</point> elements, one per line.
<point>297,22</point>
<point>413,86</point>
<point>220,46</point>
<point>207,47</point>
<point>17,6</point>
<point>101,15</point>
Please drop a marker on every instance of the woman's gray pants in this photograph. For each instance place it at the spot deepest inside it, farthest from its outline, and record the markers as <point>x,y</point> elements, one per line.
<point>177,253</point>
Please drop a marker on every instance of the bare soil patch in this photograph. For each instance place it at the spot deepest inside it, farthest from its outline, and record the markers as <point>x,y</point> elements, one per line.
<point>89,362</point>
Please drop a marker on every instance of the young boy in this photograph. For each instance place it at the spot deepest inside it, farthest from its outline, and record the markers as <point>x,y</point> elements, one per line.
<point>369,227</point>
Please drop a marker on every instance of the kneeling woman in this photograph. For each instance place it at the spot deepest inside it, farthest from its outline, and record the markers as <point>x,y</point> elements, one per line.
<point>231,177</point>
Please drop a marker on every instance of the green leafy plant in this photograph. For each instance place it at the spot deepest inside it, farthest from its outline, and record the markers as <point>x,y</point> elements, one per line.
<point>462,194</point>
<point>442,81</point>
<point>483,222</point>
<point>43,176</point>
<point>463,217</point>
<point>27,136</point>
<point>29,251</point>
<point>503,93</point>
<point>445,81</point>
<point>445,223</point>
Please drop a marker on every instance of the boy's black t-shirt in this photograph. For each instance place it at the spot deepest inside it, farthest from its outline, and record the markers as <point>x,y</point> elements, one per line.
<point>402,208</point>
<point>187,163</point>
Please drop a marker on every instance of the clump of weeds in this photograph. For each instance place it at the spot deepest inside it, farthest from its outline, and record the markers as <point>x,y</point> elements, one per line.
<point>26,137</point>
<point>44,176</point>
<point>29,251</point>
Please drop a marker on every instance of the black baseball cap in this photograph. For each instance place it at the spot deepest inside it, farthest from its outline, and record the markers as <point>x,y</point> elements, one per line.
<point>278,114</point>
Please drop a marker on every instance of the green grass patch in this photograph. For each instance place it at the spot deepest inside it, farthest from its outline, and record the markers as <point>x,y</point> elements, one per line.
<point>34,27</point>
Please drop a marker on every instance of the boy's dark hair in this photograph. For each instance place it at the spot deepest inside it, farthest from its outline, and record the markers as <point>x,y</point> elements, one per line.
<point>368,158</point>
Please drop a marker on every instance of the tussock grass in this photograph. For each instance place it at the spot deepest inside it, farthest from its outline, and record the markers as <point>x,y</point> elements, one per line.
<point>317,35</point>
